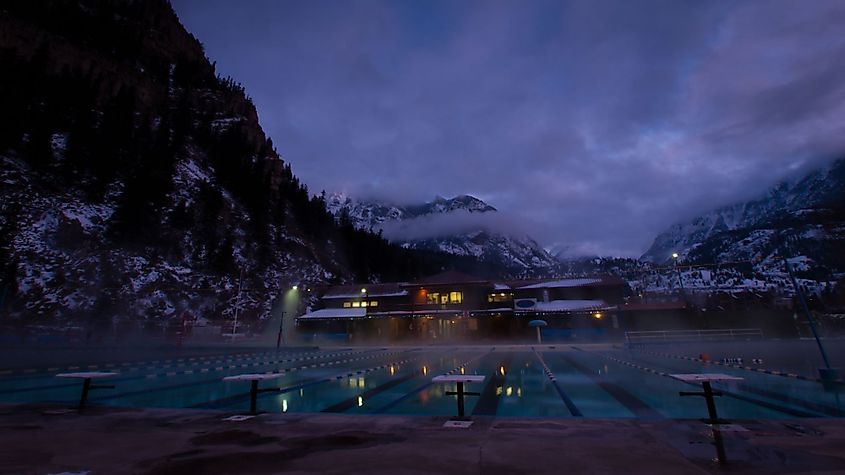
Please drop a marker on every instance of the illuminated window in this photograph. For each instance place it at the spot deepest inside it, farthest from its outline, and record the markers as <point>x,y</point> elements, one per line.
<point>499,297</point>
<point>444,298</point>
<point>374,303</point>
<point>364,304</point>
<point>456,297</point>
<point>356,304</point>
<point>433,298</point>
<point>347,304</point>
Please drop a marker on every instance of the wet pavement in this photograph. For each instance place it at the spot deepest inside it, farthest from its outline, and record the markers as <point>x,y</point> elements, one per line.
<point>40,438</point>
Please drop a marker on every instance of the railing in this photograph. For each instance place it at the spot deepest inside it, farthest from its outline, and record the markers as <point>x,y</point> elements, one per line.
<point>673,336</point>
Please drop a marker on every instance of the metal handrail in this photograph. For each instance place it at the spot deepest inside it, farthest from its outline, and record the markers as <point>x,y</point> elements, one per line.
<point>674,335</point>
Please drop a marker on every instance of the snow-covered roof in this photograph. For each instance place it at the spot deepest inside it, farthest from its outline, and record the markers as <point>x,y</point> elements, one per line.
<point>499,286</point>
<point>565,306</point>
<point>359,294</point>
<point>561,283</point>
<point>373,290</point>
<point>335,313</point>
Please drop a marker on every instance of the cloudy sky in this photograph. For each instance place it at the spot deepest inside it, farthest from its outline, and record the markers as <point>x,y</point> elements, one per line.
<point>595,124</point>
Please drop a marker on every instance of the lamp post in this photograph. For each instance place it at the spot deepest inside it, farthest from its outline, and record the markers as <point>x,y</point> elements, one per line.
<point>289,294</point>
<point>678,270</point>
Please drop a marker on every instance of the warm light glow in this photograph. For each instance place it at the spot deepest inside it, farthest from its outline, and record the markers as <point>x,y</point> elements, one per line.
<point>361,383</point>
<point>462,370</point>
<point>363,291</point>
<point>425,370</point>
<point>502,294</point>
<point>509,391</point>
<point>502,370</point>
<point>519,392</point>
<point>284,405</point>
<point>392,371</point>
<point>597,316</point>
<point>295,287</point>
<point>360,401</point>
<point>674,255</point>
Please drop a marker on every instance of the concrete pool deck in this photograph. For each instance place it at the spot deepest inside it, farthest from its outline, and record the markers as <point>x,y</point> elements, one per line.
<point>41,438</point>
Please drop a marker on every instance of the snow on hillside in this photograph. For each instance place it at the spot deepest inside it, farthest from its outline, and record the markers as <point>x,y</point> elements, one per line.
<point>462,230</point>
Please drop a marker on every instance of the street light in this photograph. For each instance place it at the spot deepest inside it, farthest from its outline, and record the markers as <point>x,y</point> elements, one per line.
<point>290,293</point>
<point>678,270</point>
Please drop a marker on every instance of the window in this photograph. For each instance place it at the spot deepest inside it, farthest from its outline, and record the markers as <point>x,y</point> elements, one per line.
<point>374,303</point>
<point>364,304</point>
<point>435,298</point>
<point>347,304</point>
<point>356,304</point>
<point>499,297</point>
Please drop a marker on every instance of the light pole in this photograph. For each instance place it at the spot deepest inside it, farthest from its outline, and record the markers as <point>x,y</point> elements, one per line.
<point>678,270</point>
<point>827,374</point>
<point>289,294</point>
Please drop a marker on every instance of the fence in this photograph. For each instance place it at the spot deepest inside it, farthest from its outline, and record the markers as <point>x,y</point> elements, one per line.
<point>675,336</point>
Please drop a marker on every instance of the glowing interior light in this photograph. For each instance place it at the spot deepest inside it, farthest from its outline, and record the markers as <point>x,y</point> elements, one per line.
<point>361,383</point>
<point>425,370</point>
<point>284,405</point>
<point>363,291</point>
<point>295,287</point>
<point>502,370</point>
<point>509,391</point>
<point>597,316</point>
<point>392,371</point>
<point>462,370</point>
<point>498,390</point>
<point>360,401</point>
<point>519,392</point>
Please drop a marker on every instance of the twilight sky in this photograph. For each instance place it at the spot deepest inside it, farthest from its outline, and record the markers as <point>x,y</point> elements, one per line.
<point>593,124</point>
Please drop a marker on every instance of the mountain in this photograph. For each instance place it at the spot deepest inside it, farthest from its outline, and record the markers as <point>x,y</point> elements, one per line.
<point>136,183</point>
<point>801,217</point>
<point>447,225</point>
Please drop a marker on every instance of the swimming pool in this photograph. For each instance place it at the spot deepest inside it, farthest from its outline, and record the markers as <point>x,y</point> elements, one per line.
<point>560,381</point>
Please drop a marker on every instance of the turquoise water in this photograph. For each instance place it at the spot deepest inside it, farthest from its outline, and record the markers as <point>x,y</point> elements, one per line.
<point>550,382</point>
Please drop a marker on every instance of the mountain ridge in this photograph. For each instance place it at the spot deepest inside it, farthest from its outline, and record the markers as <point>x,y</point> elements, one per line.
<point>804,215</point>
<point>415,227</point>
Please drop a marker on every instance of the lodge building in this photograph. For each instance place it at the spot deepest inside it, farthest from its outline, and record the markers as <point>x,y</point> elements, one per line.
<point>452,306</point>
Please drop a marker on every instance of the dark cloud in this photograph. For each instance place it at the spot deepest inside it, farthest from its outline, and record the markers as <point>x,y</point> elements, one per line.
<point>597,123</point>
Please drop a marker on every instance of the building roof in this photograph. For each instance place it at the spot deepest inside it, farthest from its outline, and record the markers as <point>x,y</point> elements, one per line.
<point>604,280</point>
<point>549,284</point>
<point>353,291</point>
<point>328,313</point>
<point>450,277</point>
<point>564,306</point>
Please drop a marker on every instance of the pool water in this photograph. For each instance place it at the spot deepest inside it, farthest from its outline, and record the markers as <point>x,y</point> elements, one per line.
<point>563,381</point>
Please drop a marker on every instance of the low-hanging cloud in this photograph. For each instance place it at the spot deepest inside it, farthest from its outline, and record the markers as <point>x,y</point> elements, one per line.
<point>604,122</point>
<point>456,222</point>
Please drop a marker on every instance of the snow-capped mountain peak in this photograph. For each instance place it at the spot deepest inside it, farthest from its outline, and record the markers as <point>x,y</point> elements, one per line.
<point>447,229</point>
